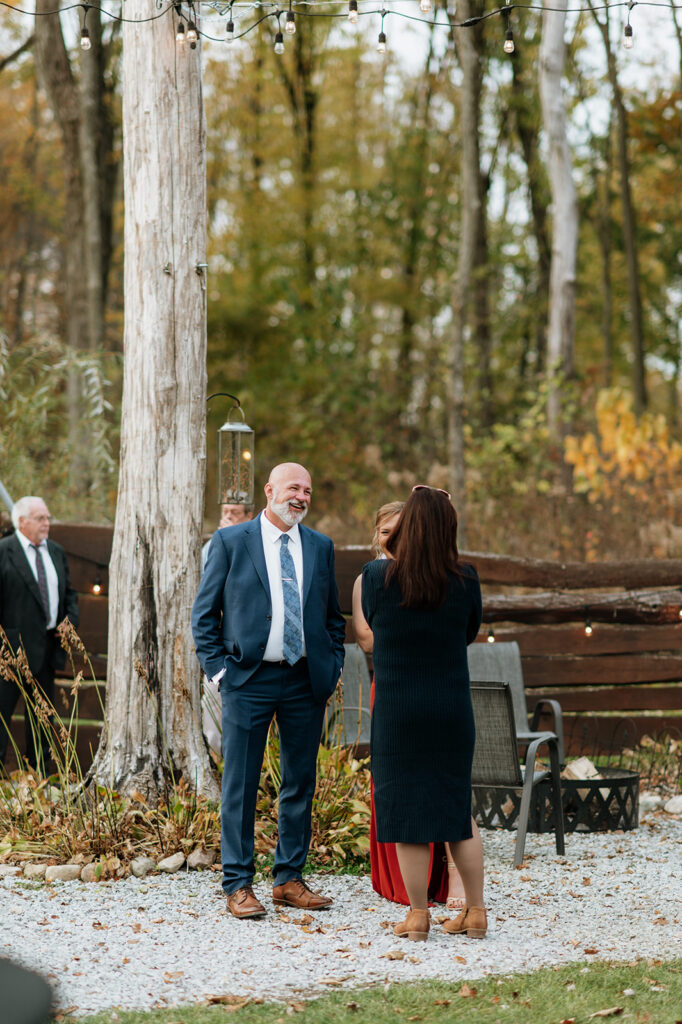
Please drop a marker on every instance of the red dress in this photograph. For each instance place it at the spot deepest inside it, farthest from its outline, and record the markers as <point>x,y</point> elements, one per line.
<point>385,870</point>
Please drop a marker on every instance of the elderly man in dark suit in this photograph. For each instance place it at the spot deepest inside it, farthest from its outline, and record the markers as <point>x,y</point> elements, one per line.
<point>35,595</point>
<point>268,626</point>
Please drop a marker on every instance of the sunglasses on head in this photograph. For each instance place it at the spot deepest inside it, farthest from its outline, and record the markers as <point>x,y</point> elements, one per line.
<point>427,487</point>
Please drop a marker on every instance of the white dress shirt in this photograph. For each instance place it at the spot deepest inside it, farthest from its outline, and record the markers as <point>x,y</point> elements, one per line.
<point>270,535</point>
<point>50,574</point>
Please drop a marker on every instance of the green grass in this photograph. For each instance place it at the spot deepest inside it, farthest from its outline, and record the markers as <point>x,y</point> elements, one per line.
<point>549,996</point>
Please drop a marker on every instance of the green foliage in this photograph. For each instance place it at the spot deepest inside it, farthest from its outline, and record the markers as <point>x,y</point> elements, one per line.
<point>37,452</point>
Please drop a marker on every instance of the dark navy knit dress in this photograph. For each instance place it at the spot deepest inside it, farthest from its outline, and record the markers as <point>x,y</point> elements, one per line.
<point>422,724</point>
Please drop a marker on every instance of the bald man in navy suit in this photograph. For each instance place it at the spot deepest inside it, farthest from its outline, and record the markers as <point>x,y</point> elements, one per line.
<point>267,624</point>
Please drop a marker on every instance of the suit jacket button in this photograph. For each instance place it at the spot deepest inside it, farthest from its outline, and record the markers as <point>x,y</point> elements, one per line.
<point>268,617</point>
<point>262,647</point>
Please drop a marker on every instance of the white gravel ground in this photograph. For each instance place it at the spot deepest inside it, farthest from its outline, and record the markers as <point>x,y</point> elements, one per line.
<point>167,940</point>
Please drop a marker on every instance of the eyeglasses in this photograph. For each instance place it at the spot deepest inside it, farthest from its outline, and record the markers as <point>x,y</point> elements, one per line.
<point>427,487</point>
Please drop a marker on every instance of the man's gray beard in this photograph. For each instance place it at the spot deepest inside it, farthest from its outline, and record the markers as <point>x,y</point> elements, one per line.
<point>283,510</point>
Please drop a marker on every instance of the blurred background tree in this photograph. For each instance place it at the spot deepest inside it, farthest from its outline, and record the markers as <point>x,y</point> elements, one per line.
<point>337,206</point>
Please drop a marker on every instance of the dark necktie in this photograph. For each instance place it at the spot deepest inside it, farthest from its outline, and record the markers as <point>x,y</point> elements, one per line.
<point>292,644</point>
<point>42,580</point>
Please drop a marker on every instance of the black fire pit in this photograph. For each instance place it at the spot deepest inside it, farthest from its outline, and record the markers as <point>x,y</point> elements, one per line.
<point>591,805</point>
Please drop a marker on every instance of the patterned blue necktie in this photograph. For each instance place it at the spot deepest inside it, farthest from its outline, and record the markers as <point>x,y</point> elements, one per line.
<point>292,646</point>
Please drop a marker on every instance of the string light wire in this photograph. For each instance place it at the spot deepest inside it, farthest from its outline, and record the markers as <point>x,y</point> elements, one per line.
<point>165,7</point>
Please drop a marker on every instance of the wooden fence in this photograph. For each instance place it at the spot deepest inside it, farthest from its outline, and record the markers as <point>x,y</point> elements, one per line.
<point>617,681</point>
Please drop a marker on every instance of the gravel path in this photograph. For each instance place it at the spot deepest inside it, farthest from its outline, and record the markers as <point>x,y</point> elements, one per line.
<point>167,940</point>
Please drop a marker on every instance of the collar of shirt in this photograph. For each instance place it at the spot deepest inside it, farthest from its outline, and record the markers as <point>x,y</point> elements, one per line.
<point>272,533</point>
<point>26,543</point>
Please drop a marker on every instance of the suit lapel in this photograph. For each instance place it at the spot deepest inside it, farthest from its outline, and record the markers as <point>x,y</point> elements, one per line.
<point>254,544</point>
<point>309,549</point>
<point>24,571</point>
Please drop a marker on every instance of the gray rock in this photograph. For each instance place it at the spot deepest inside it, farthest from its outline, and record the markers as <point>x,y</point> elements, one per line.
<point>35,870</point>
<point>649,801</point>
<point>89,873</point>
<point>10,871</point>
<point>173,863</point>
<point>674,805</point>
<point>141,866</point>
<point>62,872</point>
<point>201,859</point>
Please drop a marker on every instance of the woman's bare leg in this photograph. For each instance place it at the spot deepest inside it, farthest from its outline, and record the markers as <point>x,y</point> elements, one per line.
<point>468,856</point>
<point>414,860</point>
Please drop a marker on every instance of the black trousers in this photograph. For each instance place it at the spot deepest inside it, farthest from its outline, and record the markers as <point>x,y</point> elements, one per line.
<point>36,736</point>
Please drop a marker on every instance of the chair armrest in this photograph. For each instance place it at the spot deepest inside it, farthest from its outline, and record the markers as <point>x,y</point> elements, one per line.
<point>555,708</point>
<point>534,740</point>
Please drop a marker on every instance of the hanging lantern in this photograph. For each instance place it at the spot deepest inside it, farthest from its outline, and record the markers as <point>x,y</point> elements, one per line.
<point>236,462</point>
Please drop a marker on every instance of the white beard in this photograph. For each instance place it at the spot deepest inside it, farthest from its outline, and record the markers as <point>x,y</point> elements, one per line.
<point>287,514</point>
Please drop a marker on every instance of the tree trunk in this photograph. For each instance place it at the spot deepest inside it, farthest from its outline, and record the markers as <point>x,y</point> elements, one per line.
<point>629,223</point>
<point>470,199</point>
<point>527,127</point>
<point>561,330</point>
<point>153,683</point>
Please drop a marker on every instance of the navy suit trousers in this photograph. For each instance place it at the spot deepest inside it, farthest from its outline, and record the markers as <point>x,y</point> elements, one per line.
<point>274,690</point>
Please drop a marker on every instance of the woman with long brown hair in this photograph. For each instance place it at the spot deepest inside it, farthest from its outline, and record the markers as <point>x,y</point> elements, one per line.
<point>444,886</point>
<point>423,607</point>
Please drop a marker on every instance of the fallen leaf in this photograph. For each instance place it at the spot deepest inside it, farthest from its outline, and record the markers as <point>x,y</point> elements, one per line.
<point>466,991</point>
<point>415,1017</point>
<point>441,1002</point>
<point>353,1007</point>
<point>224,1000</point>
<point>136,926</point>
<point>660,920</point>
<point>612,1011</point>
<point>590,951</point>
<point>414,960</point>
<point>567,1020</point>
<point>295,1007</point>
<point>386,924</point>
<point>332,981</point>
<point>394,954</point>
<point>100,926</point>
<point>306,919</point>
<point>460,959</point>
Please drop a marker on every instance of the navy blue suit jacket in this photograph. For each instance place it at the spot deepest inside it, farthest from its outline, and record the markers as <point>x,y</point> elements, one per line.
<point>232,610</point>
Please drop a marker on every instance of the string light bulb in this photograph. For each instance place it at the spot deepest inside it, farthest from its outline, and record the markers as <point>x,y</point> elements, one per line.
<point>353,11</point>
<point>290,25</point>
<point>229,31</point>
<point>279,42</point>
<point>425,6</point>
<point>588,627</point>
<point>192,35</point>
<point>491,635</point>
<point>97,585</point>
<point>509,40</point>
<point>627,35</point>
<point>85,38</point>
<point>180,34</point>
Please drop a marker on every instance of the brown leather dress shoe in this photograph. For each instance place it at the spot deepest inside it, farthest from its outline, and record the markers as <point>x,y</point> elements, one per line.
<point>296,893</point>
<point>243,903</point>
<point>415,926</point>
<point>472,922</point>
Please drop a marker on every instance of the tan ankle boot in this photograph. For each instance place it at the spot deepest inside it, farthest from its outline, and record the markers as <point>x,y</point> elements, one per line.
<point>415,926</point>
<point>473,922</point>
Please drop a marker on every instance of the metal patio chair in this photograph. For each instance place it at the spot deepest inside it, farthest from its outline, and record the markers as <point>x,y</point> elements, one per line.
<point>503,661</point>
<point>497,769</point>
<point>351,713</point>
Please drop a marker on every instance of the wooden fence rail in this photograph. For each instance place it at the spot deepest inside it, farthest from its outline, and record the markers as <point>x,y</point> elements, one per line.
<point>625,676</point>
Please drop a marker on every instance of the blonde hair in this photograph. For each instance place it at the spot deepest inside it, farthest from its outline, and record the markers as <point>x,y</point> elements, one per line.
<point>387,511</point>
